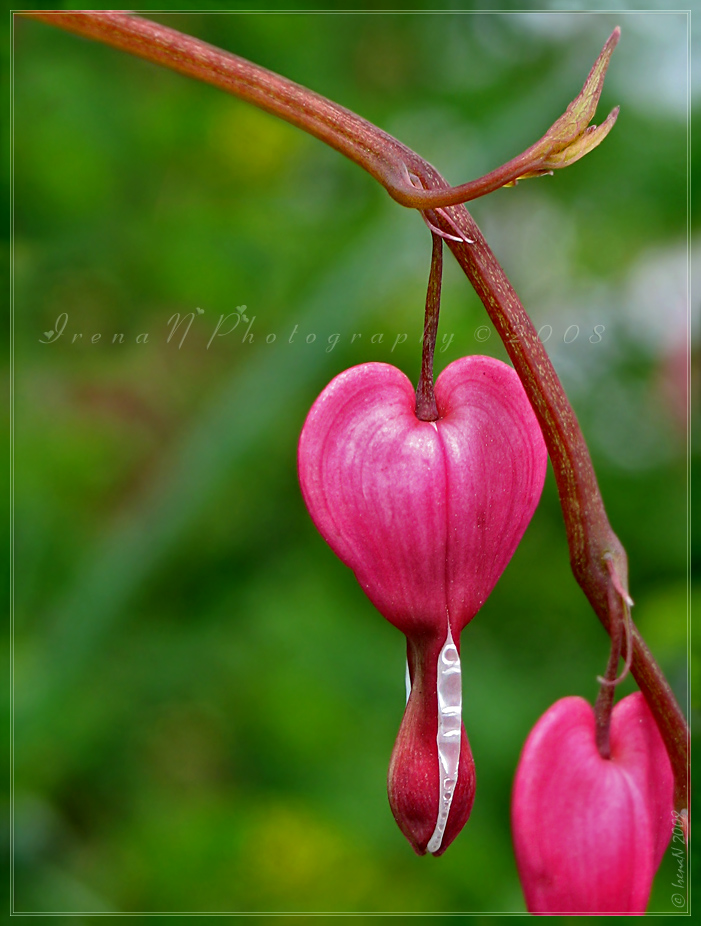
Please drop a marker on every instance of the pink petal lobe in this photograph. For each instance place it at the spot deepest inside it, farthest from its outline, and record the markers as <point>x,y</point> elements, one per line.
<point>496,461</point>
<point>373,479</point>
<point>638,747</point>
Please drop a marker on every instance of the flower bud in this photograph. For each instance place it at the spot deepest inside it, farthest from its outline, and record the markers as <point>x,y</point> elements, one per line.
<point>427,514</point>
<point>431,779</point>
<point>589,833</point>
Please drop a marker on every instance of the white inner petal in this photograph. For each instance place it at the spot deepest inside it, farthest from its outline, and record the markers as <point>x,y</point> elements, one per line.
<point>448,738</point>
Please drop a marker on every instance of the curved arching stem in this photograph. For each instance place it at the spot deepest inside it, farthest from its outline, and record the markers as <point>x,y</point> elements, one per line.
<point>597,557</point>
<point>381,155</point>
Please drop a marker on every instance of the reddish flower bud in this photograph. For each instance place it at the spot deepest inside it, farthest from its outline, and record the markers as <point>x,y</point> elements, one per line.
<point>431,779</point>
<point>427,514</point>
<point>589,833</point>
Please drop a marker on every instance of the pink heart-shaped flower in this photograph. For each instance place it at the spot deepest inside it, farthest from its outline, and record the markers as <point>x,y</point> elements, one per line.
<point>427,515</point>
<point>589,833</point>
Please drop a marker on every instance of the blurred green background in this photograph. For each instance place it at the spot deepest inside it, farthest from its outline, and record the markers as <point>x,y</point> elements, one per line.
<point>204,701</point>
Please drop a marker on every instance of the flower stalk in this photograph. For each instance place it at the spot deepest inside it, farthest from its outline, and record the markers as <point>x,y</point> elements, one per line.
<point>607,691</point>
<point>597,557</point>
<point>426,409</point>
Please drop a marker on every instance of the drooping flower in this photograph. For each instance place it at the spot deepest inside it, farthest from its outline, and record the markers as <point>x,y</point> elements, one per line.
<point>427,514</point>
<point>589,833</point>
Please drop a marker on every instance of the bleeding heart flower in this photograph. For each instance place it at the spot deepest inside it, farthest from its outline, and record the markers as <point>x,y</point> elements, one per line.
<point>589,833</point>
<point>427,514</point>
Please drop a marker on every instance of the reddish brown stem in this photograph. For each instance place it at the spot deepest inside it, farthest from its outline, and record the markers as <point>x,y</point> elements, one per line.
<point>604,701</point>
<point>381,155</point>
<point>590,537</point>
<point>426,409</point>
<point>591,540</point>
